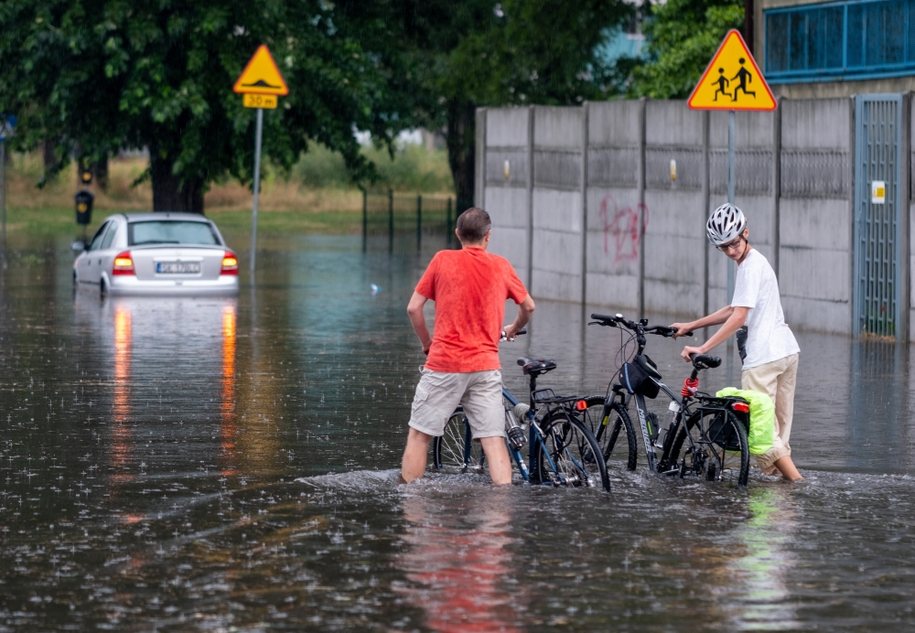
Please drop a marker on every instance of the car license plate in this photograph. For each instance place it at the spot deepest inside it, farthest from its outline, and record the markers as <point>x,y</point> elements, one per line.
<point>178,268</point>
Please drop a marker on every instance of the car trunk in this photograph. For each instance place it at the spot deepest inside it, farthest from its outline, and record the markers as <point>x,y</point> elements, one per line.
<point>177,262</point>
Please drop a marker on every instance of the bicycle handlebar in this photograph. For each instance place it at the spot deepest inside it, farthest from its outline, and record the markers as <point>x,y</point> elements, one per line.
<point>641,327</point>
<point>518,333</point>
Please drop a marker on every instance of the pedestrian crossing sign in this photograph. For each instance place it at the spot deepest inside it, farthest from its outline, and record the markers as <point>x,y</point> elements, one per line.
<point>261,76</point>
<point>732,80</point>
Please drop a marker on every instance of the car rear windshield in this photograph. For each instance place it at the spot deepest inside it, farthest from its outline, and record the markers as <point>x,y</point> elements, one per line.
<point>170,232</point>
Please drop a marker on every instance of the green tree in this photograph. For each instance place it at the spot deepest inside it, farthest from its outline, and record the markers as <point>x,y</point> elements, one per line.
<point>681,37</point>
<point>461,55</point>
<point>93,76</point>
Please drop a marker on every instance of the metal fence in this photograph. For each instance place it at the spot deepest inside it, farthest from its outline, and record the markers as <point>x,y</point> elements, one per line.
<point>405,219</point>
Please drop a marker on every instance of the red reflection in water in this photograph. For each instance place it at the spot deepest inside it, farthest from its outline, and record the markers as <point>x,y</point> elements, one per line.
<point>227,430</point>
<point>121,435</point>
<point>460,563</point>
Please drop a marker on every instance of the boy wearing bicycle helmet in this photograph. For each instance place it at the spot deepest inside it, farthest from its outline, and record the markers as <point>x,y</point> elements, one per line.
<point>770,365</point>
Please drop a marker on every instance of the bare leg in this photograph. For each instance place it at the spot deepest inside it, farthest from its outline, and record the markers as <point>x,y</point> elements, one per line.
<point>500,468</point>
<point>787,468</point>
<point>414,456</point>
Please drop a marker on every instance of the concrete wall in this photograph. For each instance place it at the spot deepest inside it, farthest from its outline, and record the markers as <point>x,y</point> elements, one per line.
<point>816,217</point>
<point>505,192</point>
<point>611,206</point>
<point>614,200</point>
<point>557,261</point>
<point>674,244</point>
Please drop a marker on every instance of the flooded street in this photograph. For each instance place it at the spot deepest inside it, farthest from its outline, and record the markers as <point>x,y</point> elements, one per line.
<point>229,464</point>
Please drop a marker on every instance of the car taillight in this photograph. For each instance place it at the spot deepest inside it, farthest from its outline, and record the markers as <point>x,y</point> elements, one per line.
<point>229,264</point>
<point>123,264</point>
<point>743,407</point>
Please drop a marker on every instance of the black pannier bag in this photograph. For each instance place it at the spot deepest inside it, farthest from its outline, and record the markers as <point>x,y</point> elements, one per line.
<point>635,376</point>
<point>718,431</point>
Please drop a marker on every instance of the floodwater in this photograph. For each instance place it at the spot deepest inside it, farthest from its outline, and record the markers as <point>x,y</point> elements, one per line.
<point>230,465</point>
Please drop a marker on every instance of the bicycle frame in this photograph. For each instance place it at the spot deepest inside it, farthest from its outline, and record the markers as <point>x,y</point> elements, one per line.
<point>648,442</point>
<point>535,437</point>
<point>679,402</point>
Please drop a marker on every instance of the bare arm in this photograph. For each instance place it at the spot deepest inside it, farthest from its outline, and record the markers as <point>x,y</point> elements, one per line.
<point>733,323</point>
<point>525,311</point>
<point>715,318</point>
<point>415,312</point>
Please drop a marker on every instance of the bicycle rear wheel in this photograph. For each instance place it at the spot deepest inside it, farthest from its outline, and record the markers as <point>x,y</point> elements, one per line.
<point>455,450</point>
<point>718,450</point>
<point>568,454</point>
<point>613,430</point>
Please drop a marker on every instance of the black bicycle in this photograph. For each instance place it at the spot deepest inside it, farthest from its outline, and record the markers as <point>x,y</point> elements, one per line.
<point>707,436</point>
<point>562,450</point>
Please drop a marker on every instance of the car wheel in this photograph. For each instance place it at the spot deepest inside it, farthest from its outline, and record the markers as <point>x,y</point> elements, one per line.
<point>103,287</point>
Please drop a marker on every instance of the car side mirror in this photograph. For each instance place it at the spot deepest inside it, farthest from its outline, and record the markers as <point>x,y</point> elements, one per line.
<point>78,246</point>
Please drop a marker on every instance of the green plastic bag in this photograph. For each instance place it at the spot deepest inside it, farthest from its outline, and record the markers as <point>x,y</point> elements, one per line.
<point>762,417</point>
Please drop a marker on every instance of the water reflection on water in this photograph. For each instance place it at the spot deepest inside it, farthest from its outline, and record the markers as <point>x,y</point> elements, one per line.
<point>229,464</point>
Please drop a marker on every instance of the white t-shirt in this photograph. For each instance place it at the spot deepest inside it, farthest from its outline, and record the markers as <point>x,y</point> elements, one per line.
<point>768,336</point>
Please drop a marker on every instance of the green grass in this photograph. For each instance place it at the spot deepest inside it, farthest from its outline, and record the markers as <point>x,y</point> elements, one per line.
<point>59,222</point>
<point>315,196</point>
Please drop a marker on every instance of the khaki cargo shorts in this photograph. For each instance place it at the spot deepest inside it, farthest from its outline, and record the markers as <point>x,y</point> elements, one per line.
<point>438,394</point>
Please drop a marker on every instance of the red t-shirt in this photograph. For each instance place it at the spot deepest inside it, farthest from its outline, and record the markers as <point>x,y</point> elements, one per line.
<point>469,288</point>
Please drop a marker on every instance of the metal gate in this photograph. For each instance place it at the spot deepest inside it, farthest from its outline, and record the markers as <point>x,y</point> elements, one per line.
<point>878,239</point>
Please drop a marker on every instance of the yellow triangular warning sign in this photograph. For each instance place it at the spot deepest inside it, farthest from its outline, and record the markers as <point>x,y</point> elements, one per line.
<point>732,80</point>
<point>261,76</point>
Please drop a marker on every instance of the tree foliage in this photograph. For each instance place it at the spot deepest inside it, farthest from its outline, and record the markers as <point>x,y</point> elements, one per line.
<point>95,76</point>
<point>461,55</point>
<point>681,37</point>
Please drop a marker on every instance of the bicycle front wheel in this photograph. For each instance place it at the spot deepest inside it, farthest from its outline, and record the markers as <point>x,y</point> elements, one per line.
<point>455,450</point>
<point>568,455</point>
<point>717,449</point>
<point>612,428</point>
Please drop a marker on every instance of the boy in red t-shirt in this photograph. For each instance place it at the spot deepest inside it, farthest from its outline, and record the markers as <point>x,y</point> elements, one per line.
<point>469,288</point>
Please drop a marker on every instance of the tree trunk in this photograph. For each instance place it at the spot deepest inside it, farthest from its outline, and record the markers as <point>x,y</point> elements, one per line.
<point>48,156</point>
<point>462,150</point>
<point>100,173</point>
<point>169,192</point>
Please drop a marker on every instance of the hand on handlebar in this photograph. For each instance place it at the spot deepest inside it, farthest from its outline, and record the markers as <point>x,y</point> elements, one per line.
<point>681,330</point>
<point>509,334</point>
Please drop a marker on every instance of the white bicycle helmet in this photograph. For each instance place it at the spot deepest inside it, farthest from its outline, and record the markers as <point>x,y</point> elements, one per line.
<point>725,224</point>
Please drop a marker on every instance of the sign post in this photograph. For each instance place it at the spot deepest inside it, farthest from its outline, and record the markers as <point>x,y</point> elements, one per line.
<point>732,81</point>
<point>260,84</point>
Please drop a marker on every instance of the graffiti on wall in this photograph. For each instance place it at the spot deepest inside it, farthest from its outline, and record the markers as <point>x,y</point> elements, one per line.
<point>623,226</point>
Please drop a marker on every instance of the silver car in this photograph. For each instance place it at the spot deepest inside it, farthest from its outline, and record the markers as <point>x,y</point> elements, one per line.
<point>157,253</point>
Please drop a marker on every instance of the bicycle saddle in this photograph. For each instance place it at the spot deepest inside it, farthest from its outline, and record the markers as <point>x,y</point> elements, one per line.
<point>704,361</point>
<point>536,367</point>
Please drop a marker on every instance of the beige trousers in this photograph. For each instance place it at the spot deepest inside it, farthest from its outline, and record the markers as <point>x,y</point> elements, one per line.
<point>778,379</point>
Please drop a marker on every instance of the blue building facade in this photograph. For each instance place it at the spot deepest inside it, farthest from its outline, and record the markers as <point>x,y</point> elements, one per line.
<point>835,49</point>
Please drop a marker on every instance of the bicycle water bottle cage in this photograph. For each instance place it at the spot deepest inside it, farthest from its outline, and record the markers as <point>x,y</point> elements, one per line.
<point>704,361</point>
<point>536,367</point>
